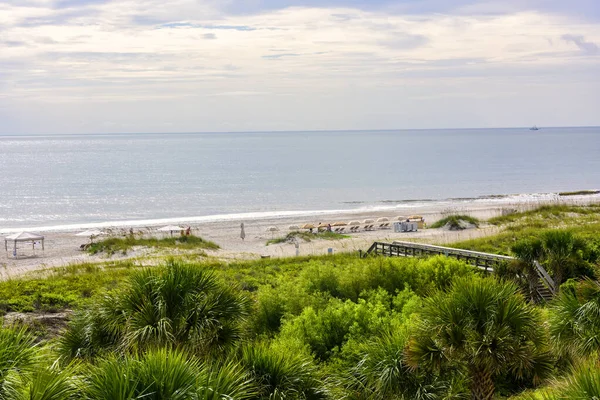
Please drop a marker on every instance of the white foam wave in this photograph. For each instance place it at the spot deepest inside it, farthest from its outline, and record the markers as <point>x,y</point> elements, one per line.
<point>493,201</point>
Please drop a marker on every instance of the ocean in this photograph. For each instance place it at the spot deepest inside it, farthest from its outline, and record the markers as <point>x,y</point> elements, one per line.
<point>53,182</point>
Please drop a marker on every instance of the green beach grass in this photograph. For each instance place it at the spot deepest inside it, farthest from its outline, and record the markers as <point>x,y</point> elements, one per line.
<point>122,245</point>
<point>455,222</point>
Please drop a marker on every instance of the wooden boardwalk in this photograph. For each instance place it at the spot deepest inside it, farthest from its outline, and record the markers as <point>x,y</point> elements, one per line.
<point>545,287</point>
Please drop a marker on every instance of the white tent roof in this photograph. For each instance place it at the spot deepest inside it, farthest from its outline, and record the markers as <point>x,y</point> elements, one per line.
<point>23,237</point>
<point>171,228</point>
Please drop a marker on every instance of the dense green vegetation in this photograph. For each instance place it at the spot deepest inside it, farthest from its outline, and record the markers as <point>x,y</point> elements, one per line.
<point>583,221</point>
<point>307,237</point>
<point>579,193</point>
<point>122,245</point>
<point>456,222</point>
<point>330,327</point>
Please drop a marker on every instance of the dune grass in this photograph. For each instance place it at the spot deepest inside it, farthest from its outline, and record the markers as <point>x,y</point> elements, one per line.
<point>583,221</point>
<point>454,222</point>
<point>62,288</point>
<point>579,193</point>
<point>123,244</point>
<point>307,237</point>
<point>550,214</point>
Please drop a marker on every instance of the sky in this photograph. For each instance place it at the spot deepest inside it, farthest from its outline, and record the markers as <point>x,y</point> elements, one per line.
<point>102,66</point>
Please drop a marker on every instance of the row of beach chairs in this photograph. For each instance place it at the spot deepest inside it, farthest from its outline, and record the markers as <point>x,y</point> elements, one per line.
<point>358,228</point>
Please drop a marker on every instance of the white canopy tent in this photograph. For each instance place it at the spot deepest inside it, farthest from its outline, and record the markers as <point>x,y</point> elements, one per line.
<point>23,237</point>
<point>171,229</point>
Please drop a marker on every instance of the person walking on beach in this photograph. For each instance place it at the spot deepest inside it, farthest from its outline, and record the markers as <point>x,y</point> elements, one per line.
<point>188,231</point>
<point>242,233</point>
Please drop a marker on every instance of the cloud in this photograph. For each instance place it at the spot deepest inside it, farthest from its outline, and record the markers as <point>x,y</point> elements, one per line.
<point>13,43</point>
<point>279,56</point>
<point>586,47</point>
<point>58,54</point>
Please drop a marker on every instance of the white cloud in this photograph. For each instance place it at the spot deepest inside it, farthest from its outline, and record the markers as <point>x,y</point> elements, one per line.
<point>143,54</point>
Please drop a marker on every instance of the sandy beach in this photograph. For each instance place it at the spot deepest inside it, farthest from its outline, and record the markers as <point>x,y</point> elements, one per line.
<point>62,248</point>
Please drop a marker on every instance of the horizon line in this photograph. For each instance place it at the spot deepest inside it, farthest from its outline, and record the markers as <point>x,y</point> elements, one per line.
<point>290,131</point>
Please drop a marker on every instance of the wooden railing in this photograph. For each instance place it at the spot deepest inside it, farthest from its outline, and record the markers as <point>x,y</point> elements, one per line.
<point>485,261</point>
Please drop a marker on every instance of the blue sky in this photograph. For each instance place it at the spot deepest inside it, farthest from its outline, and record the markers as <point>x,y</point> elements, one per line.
<point>84,66</point>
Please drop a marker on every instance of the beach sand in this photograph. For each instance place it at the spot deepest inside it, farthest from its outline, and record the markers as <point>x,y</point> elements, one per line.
<point>62,248</point>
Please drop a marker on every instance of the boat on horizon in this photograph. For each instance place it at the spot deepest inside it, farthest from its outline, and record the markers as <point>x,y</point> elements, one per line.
<point>534,128</point>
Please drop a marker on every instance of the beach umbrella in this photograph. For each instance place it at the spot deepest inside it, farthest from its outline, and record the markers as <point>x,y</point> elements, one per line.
<point>243,232</point>
<point>294,228</point>
<point>384,219</point>
<point>368,221</point>
<point>308,226</point>
<point>272,229</point>
<point>400,218</point>
<point>339,224</point>
<point>354,223</point>
<point>91,234</point>
<point>415,217</point>
<point>322,225</point>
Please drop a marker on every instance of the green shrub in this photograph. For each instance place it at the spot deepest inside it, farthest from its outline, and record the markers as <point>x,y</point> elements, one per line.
<point>114,245</point>
<point>455,222</point>
<point>326,331</point>
<point>176,305</point>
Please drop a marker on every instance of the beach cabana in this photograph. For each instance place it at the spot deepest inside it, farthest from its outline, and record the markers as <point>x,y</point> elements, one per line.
<point>339,226</point>
<point>171,229</point>
<point>383,222</point>
<point>354,226</point>
<point>23,237</point>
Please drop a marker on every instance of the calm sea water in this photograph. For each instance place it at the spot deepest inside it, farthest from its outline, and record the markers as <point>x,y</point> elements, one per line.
<point>57,180</point>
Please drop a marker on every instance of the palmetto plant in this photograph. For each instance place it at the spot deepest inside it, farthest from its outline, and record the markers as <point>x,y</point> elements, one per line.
<point>529,251</point>
<point>485,328</point>
<point>562,252</point>
<point>382,373</point>
<point>559,250</point>
<point>281,376</point>
<point>17,355</point>
<point>164,374</point>
<point>177,305</point>
<point>582,384</point>
<point>55,382</point>
<point>575,318</point>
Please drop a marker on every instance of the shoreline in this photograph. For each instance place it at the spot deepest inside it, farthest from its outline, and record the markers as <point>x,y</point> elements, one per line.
<point>381,207</point>
<point>62,248</point>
